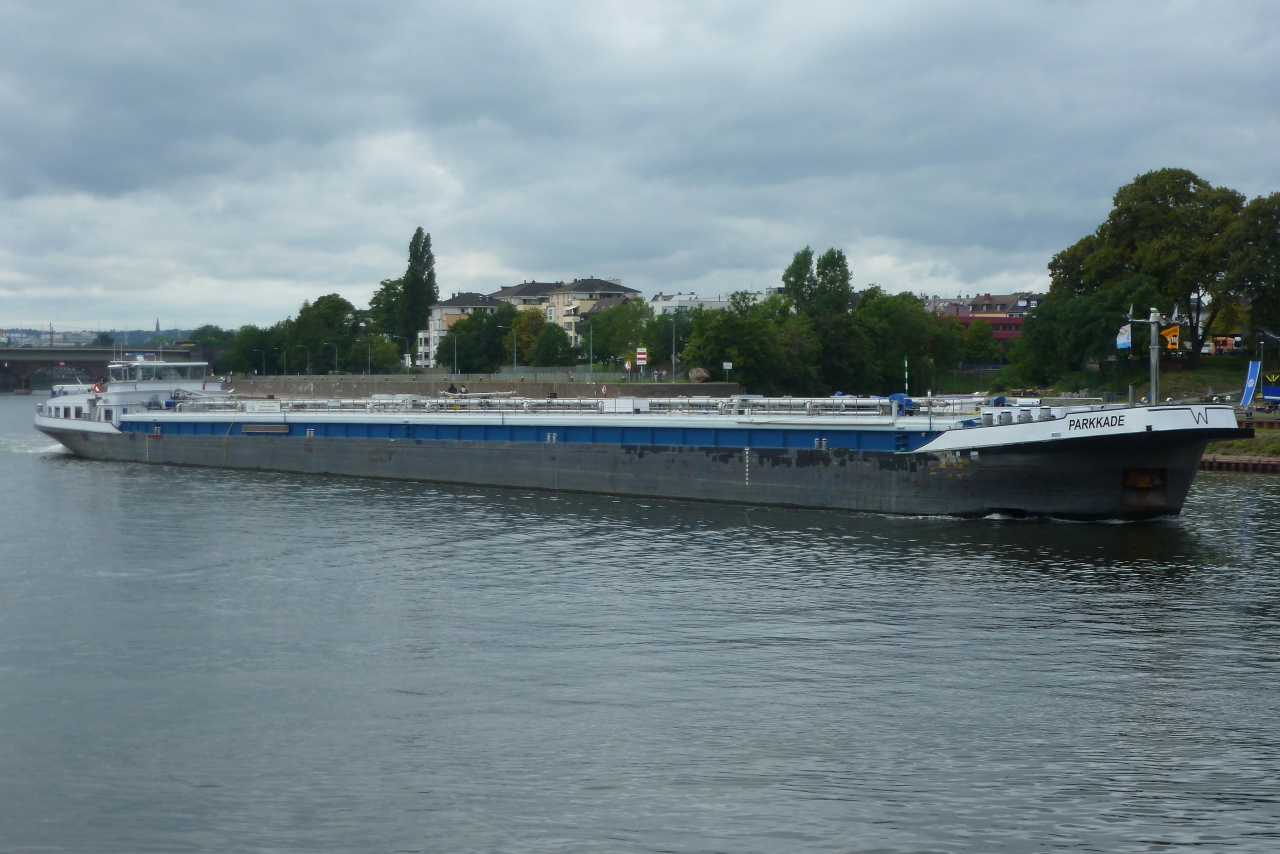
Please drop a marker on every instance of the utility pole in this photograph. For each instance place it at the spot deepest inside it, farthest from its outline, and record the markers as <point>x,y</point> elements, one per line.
<point>1155,356</point>
<point>591,351</point>
<point>906,378</point>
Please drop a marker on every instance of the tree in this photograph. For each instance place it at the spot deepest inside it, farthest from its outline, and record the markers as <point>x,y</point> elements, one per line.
<point>847,361</point>
<point>552,347</point>
<point>528,325</point>
<point>1170,225</point>
<point>833,294</point>
<point>384,307</point>
<point>212,336</point>
<point>322,333</point>
<point>980,347</point>
<point>799,282</point>
<point>616,332</point>
<point>403,306</point>
<point>898,328</point>
<point>657,336</point>
<point>1060,335</point>
<point>417,287</point>
<point>946,344</point>
<point>252,348</point>
<point>773,349</point>
<point>103,339</point>
<point>478,340</point>
<point>1254,270</point>
<point>819,290</point>
<point>373,352</point>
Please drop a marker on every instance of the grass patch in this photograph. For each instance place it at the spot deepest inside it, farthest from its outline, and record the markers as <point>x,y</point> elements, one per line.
<point>1218,376</point>
<point>1262,445</point>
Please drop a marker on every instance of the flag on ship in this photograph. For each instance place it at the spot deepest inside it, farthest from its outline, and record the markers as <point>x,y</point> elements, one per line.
<point>1251,383</point>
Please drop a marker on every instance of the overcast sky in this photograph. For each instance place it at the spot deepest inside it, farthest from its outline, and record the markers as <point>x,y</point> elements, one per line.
<point>220,162</point>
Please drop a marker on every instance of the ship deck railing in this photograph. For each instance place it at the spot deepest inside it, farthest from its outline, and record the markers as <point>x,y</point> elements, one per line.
<point>490,402</point>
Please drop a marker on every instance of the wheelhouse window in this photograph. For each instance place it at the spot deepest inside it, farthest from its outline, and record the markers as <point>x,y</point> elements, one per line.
<point>142,371</point>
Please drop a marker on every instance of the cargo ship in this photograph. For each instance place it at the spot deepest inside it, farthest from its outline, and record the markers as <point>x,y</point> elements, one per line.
<point>933,456</point>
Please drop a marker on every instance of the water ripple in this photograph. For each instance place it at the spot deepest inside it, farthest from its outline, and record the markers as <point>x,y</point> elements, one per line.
<point>208,660</point>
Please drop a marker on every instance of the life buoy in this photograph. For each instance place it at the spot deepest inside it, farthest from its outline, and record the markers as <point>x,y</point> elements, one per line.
<point>98,388</point>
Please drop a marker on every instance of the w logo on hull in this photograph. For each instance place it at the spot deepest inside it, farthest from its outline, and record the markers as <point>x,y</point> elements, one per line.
<point>1201,417</point>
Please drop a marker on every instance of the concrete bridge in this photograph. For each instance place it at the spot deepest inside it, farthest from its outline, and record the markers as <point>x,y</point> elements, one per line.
<point>18,364</point>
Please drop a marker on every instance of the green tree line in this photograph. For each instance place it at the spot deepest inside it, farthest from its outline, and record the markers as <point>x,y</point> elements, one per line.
<point>1173,242</point>
<point>811,338</point>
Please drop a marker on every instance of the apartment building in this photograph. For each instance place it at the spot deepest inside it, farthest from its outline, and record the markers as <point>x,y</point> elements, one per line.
<point>1004,305</point>
<point>569,302</point>
<point>443,316</point>
<point>562,303</point>
<point>677,302</point>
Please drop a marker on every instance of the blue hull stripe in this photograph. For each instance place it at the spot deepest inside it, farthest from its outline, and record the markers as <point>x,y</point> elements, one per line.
<point>862,440</point>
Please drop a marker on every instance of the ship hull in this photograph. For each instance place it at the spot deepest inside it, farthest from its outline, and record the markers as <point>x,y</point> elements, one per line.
<point>1134,476</point>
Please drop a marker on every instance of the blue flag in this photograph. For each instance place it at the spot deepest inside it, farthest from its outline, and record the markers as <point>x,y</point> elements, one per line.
<point>1250,383</point>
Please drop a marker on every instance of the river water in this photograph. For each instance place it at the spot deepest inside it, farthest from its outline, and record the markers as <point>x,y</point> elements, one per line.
<point>199,660</point>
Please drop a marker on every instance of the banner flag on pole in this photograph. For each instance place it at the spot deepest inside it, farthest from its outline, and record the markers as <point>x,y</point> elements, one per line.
<point>1250,383</point>
<point>1170,337</point>
<point>1124,338</point>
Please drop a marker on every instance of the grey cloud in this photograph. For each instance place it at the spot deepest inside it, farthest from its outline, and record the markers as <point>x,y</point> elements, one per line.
<point>289,149</point>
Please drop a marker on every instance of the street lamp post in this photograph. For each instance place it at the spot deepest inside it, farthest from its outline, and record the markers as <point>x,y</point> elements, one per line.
<point>263,353</point>
<point>673,346</point>
<point>335,354</point>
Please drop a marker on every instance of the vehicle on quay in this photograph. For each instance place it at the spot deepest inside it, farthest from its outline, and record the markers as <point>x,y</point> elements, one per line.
<point>951,456</point>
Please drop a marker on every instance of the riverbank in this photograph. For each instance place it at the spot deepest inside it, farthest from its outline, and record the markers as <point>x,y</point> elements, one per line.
<point>364,386</point>
<point>1235,462</point>
<point>1265,443</point>
<point>1215,376</point>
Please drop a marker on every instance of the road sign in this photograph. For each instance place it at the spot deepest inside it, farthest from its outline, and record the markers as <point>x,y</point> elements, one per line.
<point>728,366</point>
<point>642,356</point>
